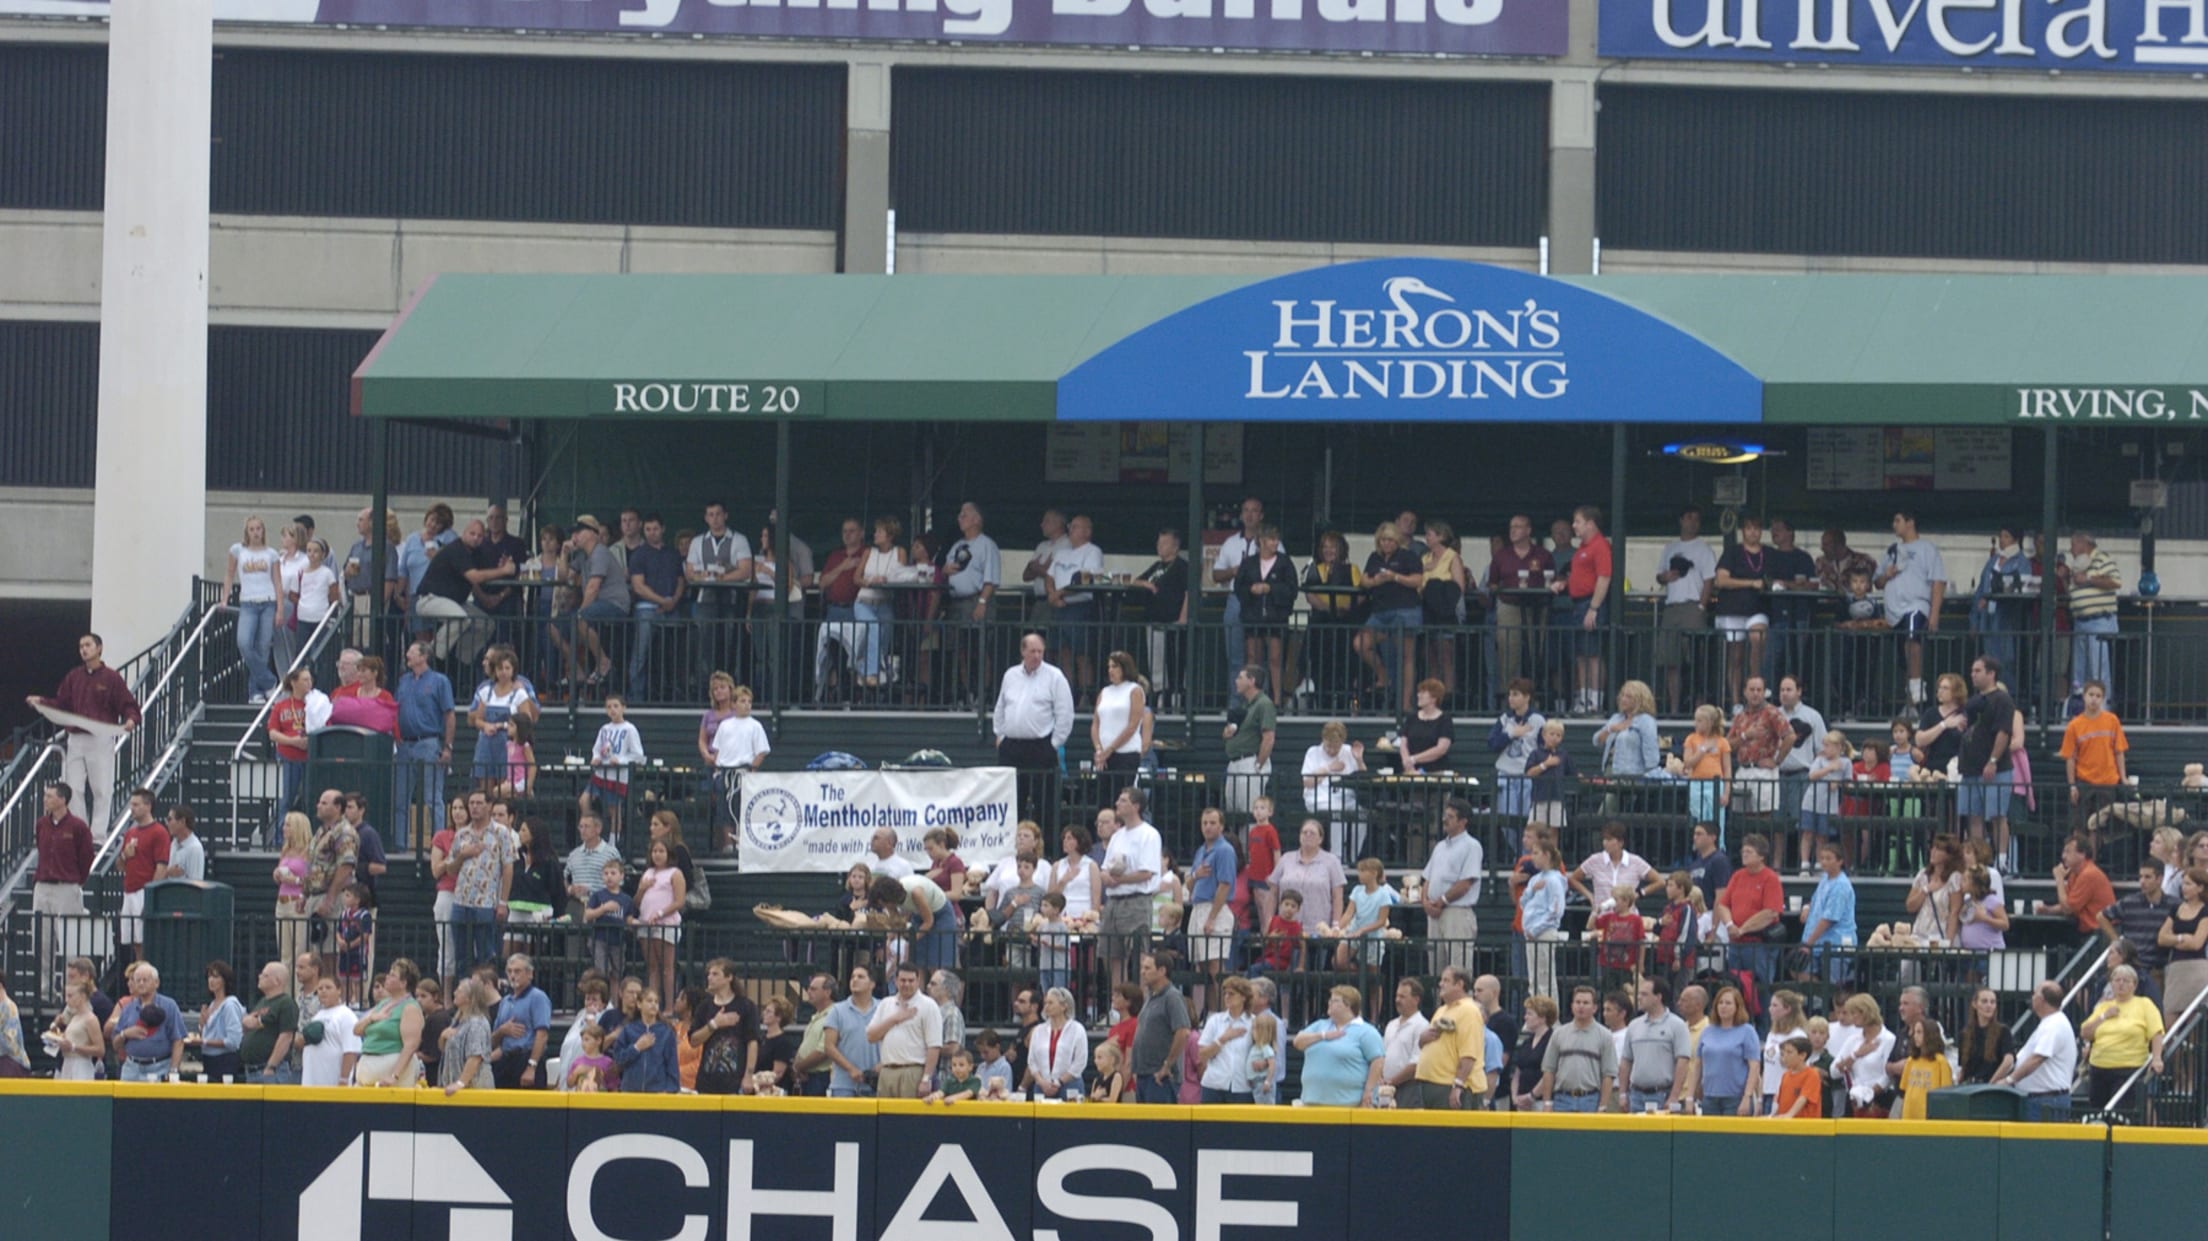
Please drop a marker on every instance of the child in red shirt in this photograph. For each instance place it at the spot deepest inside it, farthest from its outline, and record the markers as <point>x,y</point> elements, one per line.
<point>1284,934</point>
<point>1262,848</point>
<point>1622,934</point>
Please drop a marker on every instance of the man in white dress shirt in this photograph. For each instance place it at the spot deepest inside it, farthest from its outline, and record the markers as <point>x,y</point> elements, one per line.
<point>1132,862</point>
<point>1033,717</point>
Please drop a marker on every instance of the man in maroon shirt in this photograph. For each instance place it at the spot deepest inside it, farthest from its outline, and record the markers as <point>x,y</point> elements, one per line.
<point>144,856</point>
<point>1522,565</point>
<point>64,860</point>
<point>96,692</point>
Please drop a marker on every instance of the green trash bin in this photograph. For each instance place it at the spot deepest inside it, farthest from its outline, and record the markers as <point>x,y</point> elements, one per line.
<point>1975,1103</point>
<point>188,924</point>
<point>353,760</point>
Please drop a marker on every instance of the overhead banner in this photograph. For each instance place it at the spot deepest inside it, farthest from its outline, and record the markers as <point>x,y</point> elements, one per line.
<point>1408,27</point>
<point>823,821</point>
<point>1411,340</point>
<point>2155,36</point>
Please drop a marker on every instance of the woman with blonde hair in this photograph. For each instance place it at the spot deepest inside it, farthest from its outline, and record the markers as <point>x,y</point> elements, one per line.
<point>1628,740</point>
<point>291,887</point>
<point>1440,599</point>
<point>1325,766</point>
<point>1393,578</point>
<point>256,570</point>
<point>1861,1071</point>
<point>1786,1024</point>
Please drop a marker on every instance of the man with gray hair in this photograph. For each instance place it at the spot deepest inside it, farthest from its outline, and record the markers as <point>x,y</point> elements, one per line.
<point>1910,1008</point>
<point>445,594</point>
<point>2047,1064</point>
<point>270,1030</point>
<point>523,1023</point>
<point>149,1031</point>
<point>2092,578</point>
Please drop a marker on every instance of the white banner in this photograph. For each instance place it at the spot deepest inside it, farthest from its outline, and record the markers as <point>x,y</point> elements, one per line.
<point>823,821</point>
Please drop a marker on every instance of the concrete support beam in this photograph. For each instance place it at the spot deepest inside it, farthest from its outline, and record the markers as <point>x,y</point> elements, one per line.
<point>149,526</point>
<point>1572,227</point>
<point>866,201</point>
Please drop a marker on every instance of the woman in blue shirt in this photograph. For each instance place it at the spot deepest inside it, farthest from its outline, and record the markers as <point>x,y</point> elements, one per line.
<point>645,1050</point>
<point>1628,741</point>
<point>1341,1054</point>
<point>221,1026</point>
<point>1830,922</point>
<point>1542,910</point>
<point>1729,1059</point>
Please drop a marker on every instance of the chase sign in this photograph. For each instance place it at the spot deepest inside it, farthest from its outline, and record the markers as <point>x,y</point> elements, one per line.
<point>1411,340</point>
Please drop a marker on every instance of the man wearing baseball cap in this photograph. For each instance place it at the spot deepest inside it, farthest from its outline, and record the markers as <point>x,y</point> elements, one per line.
<point>605,597</point>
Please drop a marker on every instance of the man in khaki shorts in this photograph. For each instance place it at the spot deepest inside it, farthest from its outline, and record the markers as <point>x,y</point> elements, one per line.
<point>1132,861</point>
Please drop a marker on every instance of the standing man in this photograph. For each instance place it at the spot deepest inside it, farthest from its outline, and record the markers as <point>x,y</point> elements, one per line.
<point>1689,569</point>
<point>1072,610</point>
<point>1587,585</point>
<point>1808,727</point>
<point>854,1057</point>
<point>656,581</point>
<point>1658,1051</point>
<point>1914,580</point>
<point>331,860</point>
<point>145,858</point>
<point>1707,866</point>
<point>331,1046</point>
<point>718,555</point>
<point>1249,742</point>
<point>1581,1062</point>
<point>1452,888</point>
<point>96,692</point>
<point>486,859</point>
<point>813,1069</point>
<point>909,1030</point>
<point>1032,718</point>
<point>523,1023</point>
<point>586,864</point>
<point>976,570</point>
<point>2093,579</point>
<point>605,598</point>
<point>1985,760</point>
<point>1239,546</point>
<point>1133,860</point>
<point>1161,1032</point>
<point>1761,739</point>
<point>2047,1065</point>
<point>1210,918</point>
<point>187,853</point>
<point>1793,570</point>
<point>425,747</point>
<point>355,575</point>
<point>1399,1064</point>
<point>64,863</point>
<point>1522,564</point>
<point>883,857</point>
<point>1750,906</point>
<point>270,1029</point>
<point>149,1030</point>
<point>725,1031</point>
<point>2093,759</point>
<point>1452,1068</point>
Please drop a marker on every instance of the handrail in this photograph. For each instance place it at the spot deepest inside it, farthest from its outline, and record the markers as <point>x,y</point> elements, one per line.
<point>2016,1028</point>
<point>30,780</point>
<point>2179,1028</point>
<point>316,642</point>
<point>153,779</point>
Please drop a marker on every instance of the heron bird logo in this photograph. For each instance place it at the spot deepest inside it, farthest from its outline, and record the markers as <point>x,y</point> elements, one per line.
<point>1400,288</point>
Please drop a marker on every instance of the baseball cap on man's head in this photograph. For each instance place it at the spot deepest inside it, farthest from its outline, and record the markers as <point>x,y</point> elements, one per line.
<point>588,522</point>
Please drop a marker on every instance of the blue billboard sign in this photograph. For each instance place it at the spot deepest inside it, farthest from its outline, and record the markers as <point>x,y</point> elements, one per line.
<point>1410,340</point>
<point>2112,35</point>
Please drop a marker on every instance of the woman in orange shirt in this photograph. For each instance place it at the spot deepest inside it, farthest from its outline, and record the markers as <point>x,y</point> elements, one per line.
<point>1801,1088</point>
<point>687,1053</point>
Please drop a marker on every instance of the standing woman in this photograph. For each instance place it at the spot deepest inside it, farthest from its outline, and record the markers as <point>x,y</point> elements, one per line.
<point>2126,1031</point>
<point>497,702</point>
<point>291,888</point>
<point>221,1026</point>
<point>538,888</point>
<point>256,571</point>
<point>660,892</point>
<point>466,1054</point>
<point>1786,1024</point>
<point>391,1032</point>
<point>318,593</point>
<point>720,705</point>
<point>1266,584</point>
<point>1057,1051</point>
<point>1440,599</point>
<point>551,601</point>
<point>1393,577</point>
<point>83,1047</point>
<point>1931,896</point>
<point>1115,731</point>
<point>1939,737</point>
<point>1984,1047</point>
<point>1628,740</point>
<point>1523,1073</point>
<point>291,571</point>
<point>884,563</point>
<point>1312,874</point>
<point>1428,734</point>
<point>1728,1062</point>
<point>1860,1069</point>
<point>2185,934</point>
<point>1326,653</point>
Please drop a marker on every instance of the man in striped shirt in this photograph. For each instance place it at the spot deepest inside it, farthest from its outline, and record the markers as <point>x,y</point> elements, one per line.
<point>2093,580</point>
<point>587,862</point>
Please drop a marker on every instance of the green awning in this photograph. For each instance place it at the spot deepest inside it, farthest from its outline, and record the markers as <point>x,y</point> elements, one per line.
<point>1828,349</point>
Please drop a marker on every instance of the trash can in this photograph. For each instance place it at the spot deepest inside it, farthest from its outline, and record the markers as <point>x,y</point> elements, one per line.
<point>188,924</point>
<point>1975,1103</point>
<point>354,760</point>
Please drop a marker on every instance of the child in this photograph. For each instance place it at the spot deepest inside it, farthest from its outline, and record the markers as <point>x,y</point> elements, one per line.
<point>1547,768</point>
<point>1621,932</point>
<point>594,992</point>
<point>354,926</point>
<point>1107,1082</point>
<point>1864,626</point>
<point>1284,934</point>
<point>1170,937</point>
<point>961,1084</point>
<point>1926,1071</point>
<point>1680,928</point>
<point>593,1070</point>
<point>609,911</point>
<point>1368,914</point>
<point>1871,767</point>
<point>1801,1088</point>
<point>1708,756</point>
<point>618,746</point>
<point>993,1067</point>
<point>1053,942</point>
<point>1821,794</point>
<point>1262,847</point>
<point>1901,761</point>
<point>1820,1059</point>
<point>645,1050</point>
<point>1264,1038</point>
<point>521,757</point>
<point>1017,907</point>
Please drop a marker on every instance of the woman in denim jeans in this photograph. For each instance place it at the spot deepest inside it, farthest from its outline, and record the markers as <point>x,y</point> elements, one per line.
<point>254,568</point>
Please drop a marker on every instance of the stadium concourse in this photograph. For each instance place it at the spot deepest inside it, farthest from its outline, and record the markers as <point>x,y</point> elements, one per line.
<point>997,621</point>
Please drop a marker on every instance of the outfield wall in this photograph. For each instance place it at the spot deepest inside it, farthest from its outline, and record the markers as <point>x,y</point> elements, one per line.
<point>247,1164</point>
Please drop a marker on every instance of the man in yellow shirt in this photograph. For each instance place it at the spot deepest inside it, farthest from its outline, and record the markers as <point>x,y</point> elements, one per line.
<point>1452,1075</point>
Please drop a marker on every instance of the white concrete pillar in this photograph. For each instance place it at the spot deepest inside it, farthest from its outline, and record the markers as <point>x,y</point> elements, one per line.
<point>866,167</point>
<point>150,502</point>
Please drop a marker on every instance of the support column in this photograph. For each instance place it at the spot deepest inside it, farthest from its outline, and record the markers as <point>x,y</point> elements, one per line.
<point>1615,526</point>
<point>866,167</point>
<point>1572,175</point>
<point>1192,541</point>
<point>785,576</point>
<point>2051,696</point>
<point>149,518</point>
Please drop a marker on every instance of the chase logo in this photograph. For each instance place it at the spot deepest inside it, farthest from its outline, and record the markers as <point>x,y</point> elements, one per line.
<point>770,819</point>
<point>385,1166</point>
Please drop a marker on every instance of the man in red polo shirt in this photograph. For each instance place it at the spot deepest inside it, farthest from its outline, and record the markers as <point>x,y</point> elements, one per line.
<point>96,692</point>
<point>144,854</point>
<point>1750,907</point>
<point>1588,587</point>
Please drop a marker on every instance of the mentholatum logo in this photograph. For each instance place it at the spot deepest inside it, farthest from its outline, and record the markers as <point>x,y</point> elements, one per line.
<point>1406,351</point>
<point>404,1167</point>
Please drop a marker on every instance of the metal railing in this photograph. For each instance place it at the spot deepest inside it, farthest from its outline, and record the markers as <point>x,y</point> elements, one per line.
<point>309,653</point>
<point>2173,1097</point>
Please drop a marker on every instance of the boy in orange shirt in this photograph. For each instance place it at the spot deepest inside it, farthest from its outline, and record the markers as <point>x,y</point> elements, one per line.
<point>1801,1087</point>
<point>2093,749</point>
